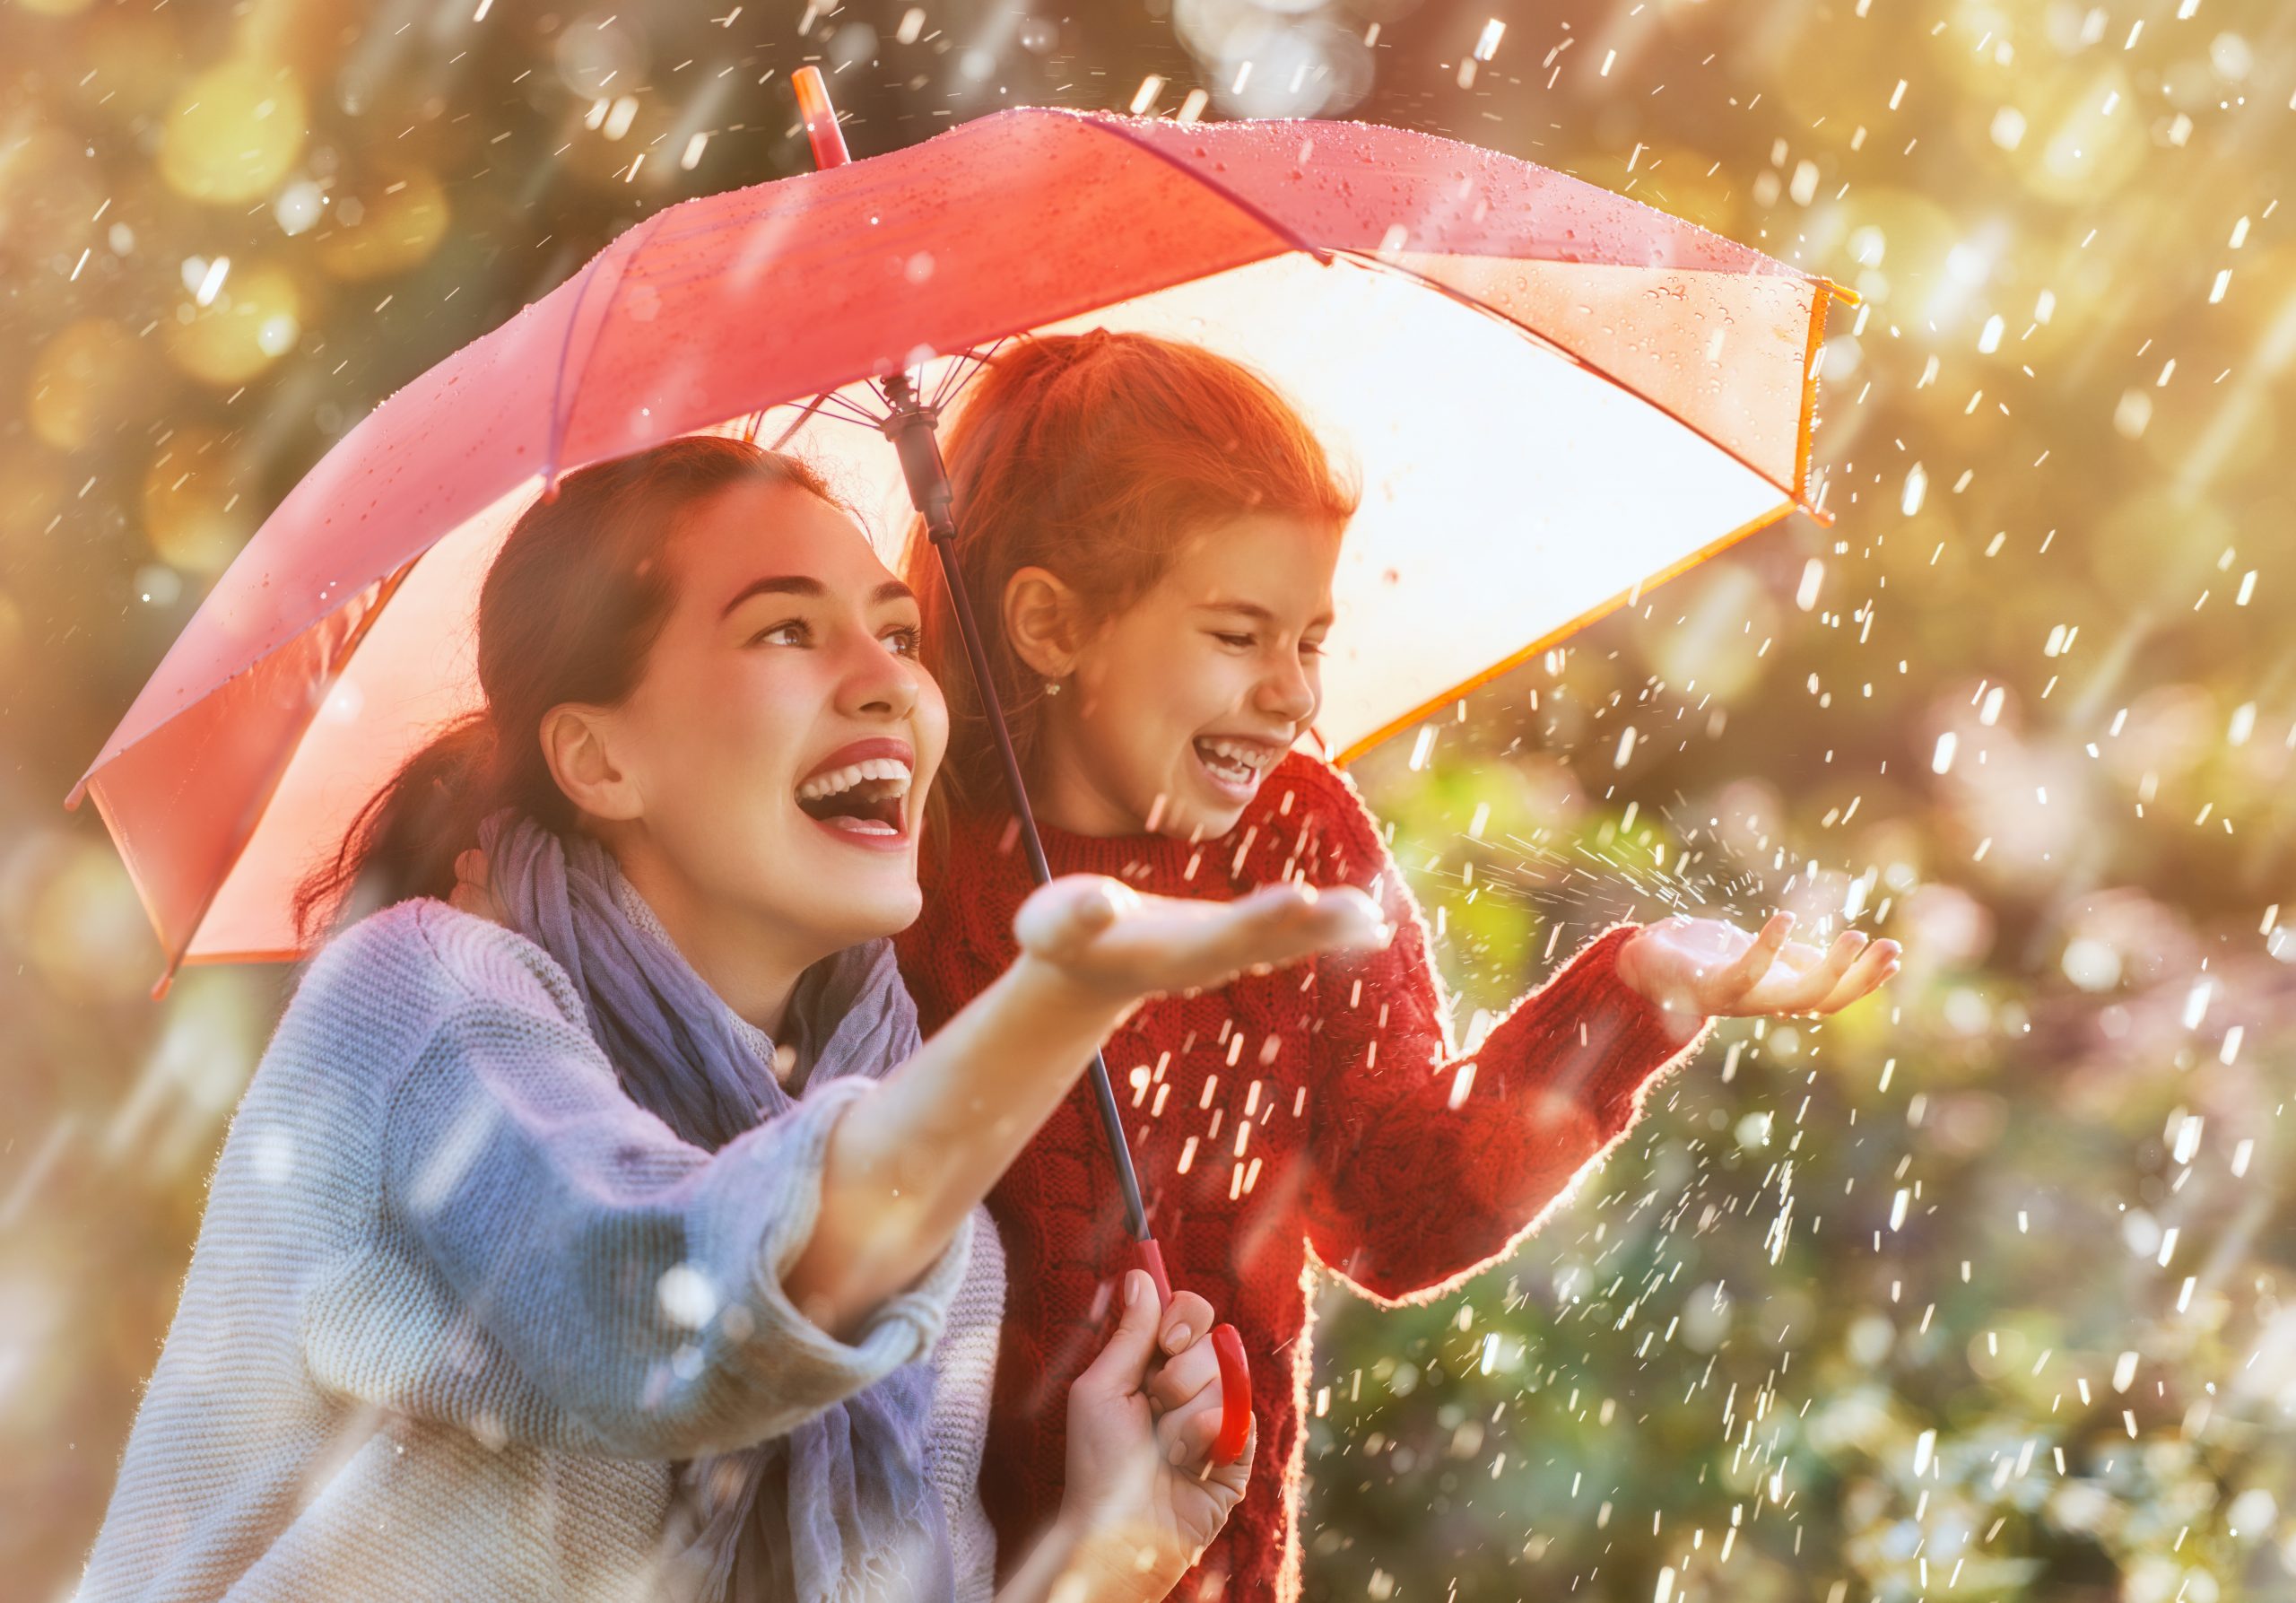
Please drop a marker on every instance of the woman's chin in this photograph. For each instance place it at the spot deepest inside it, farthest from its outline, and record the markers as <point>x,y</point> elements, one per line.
<point>869,906</point>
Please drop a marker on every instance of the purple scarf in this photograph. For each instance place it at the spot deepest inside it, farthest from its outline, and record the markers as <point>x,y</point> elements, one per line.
<point>839,1508</point>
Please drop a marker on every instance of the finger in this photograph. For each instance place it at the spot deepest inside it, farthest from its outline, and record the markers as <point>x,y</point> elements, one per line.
<point>1280,924</point>
<point>1809,989</point>
<point>1180,1380</point>
<point>1184,1435</point>
<point>1234,1477</point>
<point>1123,1361</point>
<point>1873,969</point>
<point>1189,1316</point>
<point>1739,979</point>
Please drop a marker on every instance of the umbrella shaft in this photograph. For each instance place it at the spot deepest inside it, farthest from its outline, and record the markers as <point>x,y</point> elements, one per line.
<point>910,428</point>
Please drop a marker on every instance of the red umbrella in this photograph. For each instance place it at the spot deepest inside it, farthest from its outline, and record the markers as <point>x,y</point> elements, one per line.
<point>1515,357</point>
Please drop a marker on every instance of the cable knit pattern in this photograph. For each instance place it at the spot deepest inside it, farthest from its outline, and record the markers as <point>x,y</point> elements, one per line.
<point>426,1348</point>
<point>1318,1114</point>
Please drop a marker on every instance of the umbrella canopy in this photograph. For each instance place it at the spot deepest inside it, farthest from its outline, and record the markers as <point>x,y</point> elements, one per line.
<point>1552,396</point>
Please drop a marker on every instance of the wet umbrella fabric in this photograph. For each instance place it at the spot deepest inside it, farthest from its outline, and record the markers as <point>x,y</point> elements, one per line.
<point>1386,281</point>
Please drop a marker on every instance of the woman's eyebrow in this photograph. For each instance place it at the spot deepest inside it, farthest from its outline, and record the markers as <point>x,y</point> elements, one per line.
<point>788,584</point>
<point>893,590</point>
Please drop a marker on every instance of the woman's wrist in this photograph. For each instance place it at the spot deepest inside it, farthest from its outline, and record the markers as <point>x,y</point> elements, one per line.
<point>1064,1001</point>
<point>1114,1566</point>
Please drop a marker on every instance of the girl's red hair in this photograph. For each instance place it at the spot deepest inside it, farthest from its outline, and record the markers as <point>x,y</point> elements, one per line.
<point>1094,456</point>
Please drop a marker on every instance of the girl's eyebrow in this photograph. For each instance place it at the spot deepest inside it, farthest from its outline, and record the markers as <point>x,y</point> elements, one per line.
<point>1259,614</point>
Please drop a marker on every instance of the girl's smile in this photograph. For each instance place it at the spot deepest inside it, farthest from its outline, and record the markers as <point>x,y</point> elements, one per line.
<point>1173,713</point>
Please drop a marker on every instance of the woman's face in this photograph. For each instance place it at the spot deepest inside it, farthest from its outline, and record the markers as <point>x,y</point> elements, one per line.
<point>1178,707</point>
<point>779,748</point>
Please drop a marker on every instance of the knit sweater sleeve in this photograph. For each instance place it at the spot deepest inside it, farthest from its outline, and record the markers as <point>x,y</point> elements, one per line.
<point>1428,1163</point>
<point>607,1288</point>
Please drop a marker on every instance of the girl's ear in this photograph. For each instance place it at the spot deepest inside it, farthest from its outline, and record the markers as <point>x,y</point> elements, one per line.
<point>576,744</point>
<point>1045,621</point>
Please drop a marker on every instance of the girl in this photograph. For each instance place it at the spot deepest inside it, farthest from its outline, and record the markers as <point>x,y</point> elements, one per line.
<point>1157,532</point>
<point>591,1258</point>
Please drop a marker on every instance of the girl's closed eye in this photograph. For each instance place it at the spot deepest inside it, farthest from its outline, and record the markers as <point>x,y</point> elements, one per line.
<point>1236,642</point>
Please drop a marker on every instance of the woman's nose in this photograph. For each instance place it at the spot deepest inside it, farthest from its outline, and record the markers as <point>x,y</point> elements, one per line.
<point>879,683</point>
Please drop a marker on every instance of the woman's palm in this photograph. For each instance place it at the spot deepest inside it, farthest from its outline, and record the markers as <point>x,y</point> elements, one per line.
<point>1106,936</point>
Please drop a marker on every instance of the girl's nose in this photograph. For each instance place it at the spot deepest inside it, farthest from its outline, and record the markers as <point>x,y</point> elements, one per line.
<point>1289,692</point>
<point>878,683</point>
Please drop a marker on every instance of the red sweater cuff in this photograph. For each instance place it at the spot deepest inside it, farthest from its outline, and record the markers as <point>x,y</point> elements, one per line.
<point>1639,1038</point>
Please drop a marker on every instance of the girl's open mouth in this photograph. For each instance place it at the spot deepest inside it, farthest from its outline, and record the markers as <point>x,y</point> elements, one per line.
<point>866,801</point>
<point>1235,765</point>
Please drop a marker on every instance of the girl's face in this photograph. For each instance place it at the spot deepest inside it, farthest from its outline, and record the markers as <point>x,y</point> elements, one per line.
<point>1173,712</point>
<point>769,772</point>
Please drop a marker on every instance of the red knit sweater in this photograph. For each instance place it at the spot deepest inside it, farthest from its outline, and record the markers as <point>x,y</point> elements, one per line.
<point>1317,1109</point>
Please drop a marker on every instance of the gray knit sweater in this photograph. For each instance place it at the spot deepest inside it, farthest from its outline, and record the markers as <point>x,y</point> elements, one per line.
<point>456,1303</point>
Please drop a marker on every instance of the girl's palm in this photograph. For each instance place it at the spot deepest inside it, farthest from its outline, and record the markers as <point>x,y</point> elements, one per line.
<point>1710,966</point>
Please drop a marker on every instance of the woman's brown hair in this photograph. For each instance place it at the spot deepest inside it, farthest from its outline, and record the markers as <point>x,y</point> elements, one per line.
<point>1095,457</point>
<point>569,613</point>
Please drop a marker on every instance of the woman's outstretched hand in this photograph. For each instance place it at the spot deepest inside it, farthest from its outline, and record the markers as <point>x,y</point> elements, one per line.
<point>1143,1498</point>
<point>1705,966</point>
<point>1115,942</point>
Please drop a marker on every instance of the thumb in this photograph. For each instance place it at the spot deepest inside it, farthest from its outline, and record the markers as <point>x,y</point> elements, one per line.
<point>1123,1364</point>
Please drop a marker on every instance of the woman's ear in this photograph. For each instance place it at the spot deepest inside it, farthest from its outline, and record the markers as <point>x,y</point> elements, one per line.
<point>577,745</point>
<point>1045,621</point>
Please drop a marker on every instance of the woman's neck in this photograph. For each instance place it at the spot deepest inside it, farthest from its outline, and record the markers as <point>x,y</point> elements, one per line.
<point>748,966</point>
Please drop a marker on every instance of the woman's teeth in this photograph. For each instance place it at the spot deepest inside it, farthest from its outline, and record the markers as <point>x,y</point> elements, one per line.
<point>839,781</point>
<point>861,799</point>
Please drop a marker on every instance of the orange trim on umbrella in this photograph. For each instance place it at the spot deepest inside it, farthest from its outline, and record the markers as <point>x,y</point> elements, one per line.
<point>293,955</point>
<point>1821,288</point>
<point>1825,288</point>
<point>1395,726</point>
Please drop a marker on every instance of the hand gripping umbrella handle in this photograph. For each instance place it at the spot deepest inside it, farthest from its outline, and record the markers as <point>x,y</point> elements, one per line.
<point>1228,1347</point>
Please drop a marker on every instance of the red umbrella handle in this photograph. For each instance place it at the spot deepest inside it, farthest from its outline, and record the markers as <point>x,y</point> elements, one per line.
<point>1228,1347</point>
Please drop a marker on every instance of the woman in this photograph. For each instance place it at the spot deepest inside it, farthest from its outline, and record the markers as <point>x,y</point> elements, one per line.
<point>591,1257</point>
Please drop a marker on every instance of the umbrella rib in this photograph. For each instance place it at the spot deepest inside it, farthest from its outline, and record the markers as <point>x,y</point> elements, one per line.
<point>1818,287</point>
<point>959,375</point>
<point>1265,218</point>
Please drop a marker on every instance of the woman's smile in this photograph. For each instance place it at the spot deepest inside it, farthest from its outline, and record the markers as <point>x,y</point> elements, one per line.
<point>859,793</point>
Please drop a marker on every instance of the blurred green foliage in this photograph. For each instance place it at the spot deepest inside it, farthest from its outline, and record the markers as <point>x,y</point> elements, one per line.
<point>1979,1289</point>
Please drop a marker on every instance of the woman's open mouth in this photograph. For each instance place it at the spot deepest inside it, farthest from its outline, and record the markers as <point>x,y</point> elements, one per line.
<point>861,794</point>
<point>1236,764</point>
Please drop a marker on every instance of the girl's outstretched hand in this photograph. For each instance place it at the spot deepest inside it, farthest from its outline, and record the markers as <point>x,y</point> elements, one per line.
<point>1116,944</point>
<point>1698,966</point>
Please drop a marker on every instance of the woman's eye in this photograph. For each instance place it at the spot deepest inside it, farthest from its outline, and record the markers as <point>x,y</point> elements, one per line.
<point>790,631</point>
<point>1235,642</point>
<point>1311,647</point>
<point>908,641</point>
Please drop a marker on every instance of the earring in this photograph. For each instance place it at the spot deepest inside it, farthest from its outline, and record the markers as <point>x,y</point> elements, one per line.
<point>1052,687</point>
